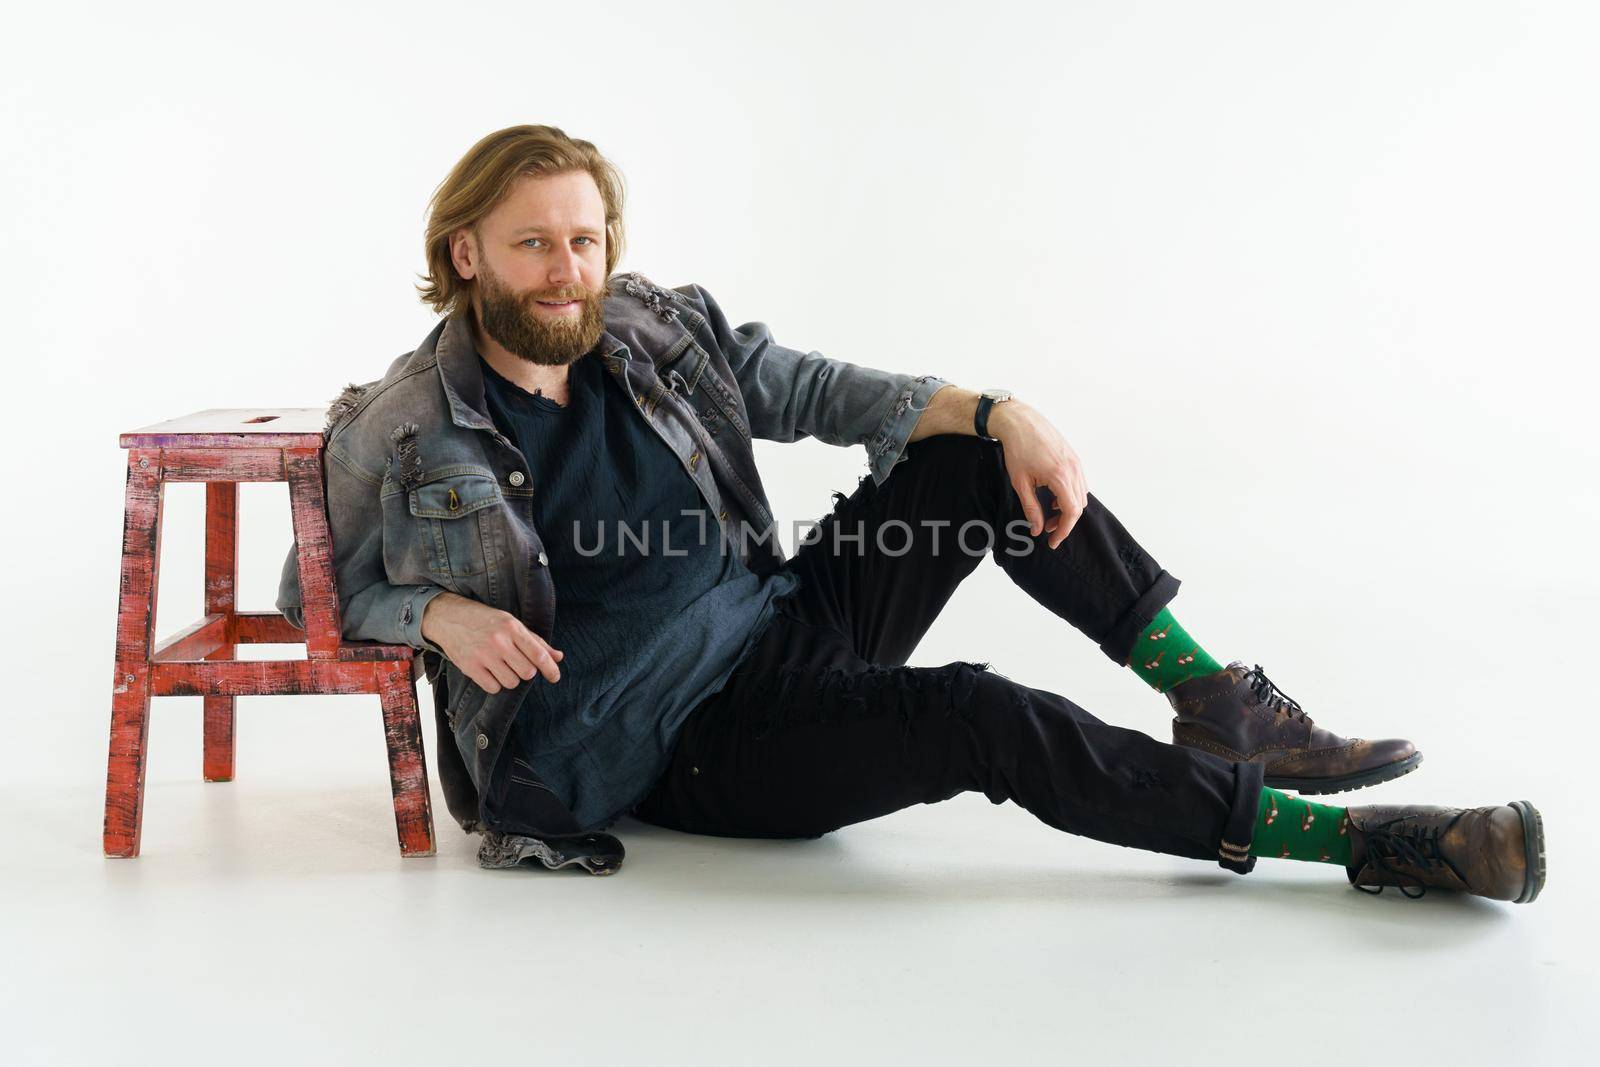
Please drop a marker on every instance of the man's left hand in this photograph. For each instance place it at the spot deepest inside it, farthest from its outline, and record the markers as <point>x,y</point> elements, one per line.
<point>1038,456</point>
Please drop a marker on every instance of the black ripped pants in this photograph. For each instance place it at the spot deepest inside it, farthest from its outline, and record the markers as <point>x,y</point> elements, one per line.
<point>823,725</point>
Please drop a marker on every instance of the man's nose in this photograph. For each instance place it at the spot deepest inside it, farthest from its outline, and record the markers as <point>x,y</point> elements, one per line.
<point>564,268</point>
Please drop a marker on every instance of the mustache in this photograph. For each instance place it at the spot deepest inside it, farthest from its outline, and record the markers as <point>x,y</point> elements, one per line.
<point>564,294</point>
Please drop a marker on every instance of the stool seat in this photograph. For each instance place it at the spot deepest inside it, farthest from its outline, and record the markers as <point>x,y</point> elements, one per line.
<point>223,447</point>
<point>234,428</point>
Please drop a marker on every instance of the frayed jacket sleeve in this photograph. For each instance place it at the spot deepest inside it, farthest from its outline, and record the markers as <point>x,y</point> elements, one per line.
<point>791,394</point>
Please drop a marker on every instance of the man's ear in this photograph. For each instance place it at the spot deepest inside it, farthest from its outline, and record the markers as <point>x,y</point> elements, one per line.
<point>464,253</point>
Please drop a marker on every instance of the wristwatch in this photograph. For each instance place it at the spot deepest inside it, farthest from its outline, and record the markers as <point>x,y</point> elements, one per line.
<point>986,402</point>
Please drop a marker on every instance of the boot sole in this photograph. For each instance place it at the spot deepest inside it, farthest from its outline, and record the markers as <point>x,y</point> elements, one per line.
<point>1357,780</point>
<point>1533,849</point>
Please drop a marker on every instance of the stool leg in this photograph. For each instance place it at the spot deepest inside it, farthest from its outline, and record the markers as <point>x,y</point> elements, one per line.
<point>222,574</point>
<point>309,510</point>
<point>408,770</point>
<point>130,692</point>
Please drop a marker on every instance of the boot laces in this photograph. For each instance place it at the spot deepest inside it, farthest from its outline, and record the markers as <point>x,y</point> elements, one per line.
<point>1406,845</point>
<point>1266,692</point>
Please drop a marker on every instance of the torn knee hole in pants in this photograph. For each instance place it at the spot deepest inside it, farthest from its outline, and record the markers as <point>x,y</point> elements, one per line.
<point>1145,778</point>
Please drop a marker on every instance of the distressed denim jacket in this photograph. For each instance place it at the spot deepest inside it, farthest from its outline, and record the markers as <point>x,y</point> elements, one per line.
<point>425,495</point>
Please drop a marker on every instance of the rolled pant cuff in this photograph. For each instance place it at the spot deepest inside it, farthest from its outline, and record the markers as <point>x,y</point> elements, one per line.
<point>1234,848</point>
<point>1119,642</point>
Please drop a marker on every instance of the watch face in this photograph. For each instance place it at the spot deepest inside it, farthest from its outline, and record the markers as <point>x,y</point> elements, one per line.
<point>997,395</point>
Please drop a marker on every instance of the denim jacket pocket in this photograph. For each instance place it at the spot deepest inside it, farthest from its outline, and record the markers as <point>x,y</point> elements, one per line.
<point>441,530</point>
<point>522,773</point>
<point>723,408</point>
<point>449,514</point>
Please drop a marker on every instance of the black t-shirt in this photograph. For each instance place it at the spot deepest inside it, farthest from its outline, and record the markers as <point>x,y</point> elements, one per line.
<point>653,607</point>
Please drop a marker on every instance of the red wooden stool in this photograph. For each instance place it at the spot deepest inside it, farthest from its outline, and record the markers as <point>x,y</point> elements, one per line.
<point>223,447</point>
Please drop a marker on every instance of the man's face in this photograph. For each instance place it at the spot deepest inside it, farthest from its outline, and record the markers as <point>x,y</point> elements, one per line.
<point>539,264</point>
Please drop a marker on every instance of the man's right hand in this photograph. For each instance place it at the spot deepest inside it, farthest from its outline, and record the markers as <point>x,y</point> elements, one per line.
<point>490,646</point>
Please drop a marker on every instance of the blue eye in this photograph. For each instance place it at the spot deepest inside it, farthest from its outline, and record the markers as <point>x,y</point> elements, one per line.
<point>528,241</point>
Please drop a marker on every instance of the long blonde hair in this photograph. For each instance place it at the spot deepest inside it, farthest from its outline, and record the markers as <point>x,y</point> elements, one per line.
<point>483,177</point>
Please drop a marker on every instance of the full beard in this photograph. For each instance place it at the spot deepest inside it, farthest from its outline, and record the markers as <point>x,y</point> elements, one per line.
<point>511,319</point>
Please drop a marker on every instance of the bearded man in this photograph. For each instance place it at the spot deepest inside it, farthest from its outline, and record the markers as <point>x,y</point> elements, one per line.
<point>524,457</point>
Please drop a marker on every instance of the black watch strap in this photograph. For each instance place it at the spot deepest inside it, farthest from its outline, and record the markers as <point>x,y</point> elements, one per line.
<point>980,419</point>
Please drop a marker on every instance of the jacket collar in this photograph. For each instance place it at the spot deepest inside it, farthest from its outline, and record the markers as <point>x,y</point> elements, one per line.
<point>456,353</point>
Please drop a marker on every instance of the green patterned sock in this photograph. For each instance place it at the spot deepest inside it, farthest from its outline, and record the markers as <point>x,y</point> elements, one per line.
<point>1289,827</point>
<point>1164,654</point>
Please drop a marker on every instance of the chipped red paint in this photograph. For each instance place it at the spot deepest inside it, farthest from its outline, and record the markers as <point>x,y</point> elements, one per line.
<point>268,677</point>
<point>130,688</point>
<point>195,641</point>
<point>303,469</point>
<point>222,577</point>
<point>223,448</point>
<point>408,769</point>
<point>267,628</point>
<point>221,465</point>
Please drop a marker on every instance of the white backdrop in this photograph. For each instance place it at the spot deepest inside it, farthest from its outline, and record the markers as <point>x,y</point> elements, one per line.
<point>1311,289</point>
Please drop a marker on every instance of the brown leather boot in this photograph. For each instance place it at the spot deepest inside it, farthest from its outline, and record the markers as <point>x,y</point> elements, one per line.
<point>1239,714</point>
<point>1495,852</point>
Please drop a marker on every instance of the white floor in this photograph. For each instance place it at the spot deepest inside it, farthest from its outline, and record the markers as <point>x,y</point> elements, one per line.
<point>272,917</point>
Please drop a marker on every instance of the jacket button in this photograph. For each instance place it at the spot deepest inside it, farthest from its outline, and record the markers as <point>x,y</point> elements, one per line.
<point>544,560</point>
<point>483,741</point>
<point>516,478</point>
<point>694,460</point>
<point>640,398</point>
<point>723,514</point>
